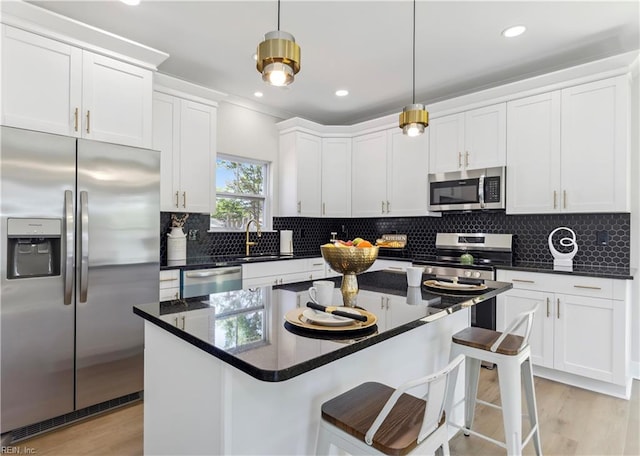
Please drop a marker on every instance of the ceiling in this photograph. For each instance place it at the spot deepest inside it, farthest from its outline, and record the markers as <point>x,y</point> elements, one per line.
<point>366,46</point>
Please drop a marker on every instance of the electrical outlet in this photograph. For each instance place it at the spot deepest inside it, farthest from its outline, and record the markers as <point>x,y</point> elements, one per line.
<point>602,237</point>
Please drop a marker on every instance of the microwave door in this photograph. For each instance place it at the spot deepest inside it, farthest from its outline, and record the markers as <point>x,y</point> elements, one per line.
<point>455,194</point>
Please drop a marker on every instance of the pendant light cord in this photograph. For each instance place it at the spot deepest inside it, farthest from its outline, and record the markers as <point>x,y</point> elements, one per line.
<point>414,50</point>
<point>279,15</point>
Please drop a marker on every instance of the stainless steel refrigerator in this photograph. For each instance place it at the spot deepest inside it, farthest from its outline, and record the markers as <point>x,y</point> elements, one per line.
<point>79,247</point>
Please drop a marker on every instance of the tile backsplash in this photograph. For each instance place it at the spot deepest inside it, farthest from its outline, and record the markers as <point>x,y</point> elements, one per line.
<point>530,240</point>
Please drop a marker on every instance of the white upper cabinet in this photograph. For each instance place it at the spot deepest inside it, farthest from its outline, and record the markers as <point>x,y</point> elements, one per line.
<point>57,88</point>
<point>185,133</point>
<point>369,175</point>
<point>533,159</point>
<point>389,174</point>
<point>594,159</point>
<point>469,140</point>
<point>299,159</point>
<point>562,157</point>
<point>336,177</point>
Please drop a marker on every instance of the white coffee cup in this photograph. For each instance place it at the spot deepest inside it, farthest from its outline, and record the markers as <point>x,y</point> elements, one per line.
<point>414,276</point>
<point>322,292</point>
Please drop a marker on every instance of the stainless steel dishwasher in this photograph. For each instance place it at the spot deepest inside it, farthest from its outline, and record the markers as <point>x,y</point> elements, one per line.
<point>200,282</point>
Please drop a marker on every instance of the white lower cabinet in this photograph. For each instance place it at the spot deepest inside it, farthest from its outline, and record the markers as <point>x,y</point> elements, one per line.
<point>580,326</point>
<point>169,284</point>
<point>391,310</point>
<point>280,272</point>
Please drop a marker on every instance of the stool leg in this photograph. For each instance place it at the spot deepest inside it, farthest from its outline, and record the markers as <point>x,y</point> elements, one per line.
<point>511,398</point>
<point>471,377</point>
<point>532,408</point>
<point>323,443</point>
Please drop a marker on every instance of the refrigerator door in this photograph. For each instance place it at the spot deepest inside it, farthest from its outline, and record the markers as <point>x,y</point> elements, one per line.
<point>118,262</point>
<point>36,328</point>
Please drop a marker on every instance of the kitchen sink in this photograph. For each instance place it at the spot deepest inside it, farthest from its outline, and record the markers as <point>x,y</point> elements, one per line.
<point>259,257</point>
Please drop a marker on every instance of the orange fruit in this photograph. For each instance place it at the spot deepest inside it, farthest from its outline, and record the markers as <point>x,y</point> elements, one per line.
<point>364,244</point>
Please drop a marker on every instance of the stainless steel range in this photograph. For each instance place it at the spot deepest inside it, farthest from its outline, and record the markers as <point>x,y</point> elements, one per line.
<point>487,250</point>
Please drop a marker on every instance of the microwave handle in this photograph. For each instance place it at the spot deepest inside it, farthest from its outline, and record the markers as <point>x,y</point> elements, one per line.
<point>481,191</point>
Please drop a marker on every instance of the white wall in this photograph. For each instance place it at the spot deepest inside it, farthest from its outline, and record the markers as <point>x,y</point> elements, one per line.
<point>248,133</point>
<point>634,145</point>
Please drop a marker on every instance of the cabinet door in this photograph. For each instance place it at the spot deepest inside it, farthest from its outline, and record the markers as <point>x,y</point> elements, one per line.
<point>533,162</point>
<point>590,337</point>
<point>407,170</point>
<point>369,175</point>
<point>485,138</point>
<point>594,156</point>
<point>197,157</point>
<point>374,303</point>
<point>446,144</point>
<point>336,177</point>
<point>400,313</point>
<point>514,302</point>
<point>308,159</point>
<point>41,83</point>
<point>166,139</point>
<point>116,101</point>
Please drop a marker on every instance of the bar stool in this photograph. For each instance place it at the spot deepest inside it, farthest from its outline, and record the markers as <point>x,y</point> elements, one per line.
<point>512,356</point>
<point>373,418</point>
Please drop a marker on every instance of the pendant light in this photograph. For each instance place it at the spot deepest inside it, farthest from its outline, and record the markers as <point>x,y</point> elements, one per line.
<point>414,118</point>
<point>278,57</point>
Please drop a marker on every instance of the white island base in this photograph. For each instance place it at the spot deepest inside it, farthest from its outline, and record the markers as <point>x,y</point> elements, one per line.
<point>195,403</point>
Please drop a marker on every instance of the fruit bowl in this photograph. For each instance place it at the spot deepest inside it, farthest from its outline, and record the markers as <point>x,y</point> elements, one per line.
<point>349,261</point>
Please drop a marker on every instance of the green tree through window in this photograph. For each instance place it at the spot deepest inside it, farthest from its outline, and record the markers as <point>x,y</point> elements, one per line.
<point>240,193</point>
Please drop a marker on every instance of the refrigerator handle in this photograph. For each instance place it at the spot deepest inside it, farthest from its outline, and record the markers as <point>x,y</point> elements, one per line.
<point>68,267</point>
<point>84,245</point>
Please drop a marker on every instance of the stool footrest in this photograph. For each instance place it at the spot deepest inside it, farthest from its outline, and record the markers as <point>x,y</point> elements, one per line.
<point>488,404</point>
<point>477,434</point>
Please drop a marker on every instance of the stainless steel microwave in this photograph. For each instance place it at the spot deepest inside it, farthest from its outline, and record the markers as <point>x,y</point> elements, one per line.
<point>467,190</point>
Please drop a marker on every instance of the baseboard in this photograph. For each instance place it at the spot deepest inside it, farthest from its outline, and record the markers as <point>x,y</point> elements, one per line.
<point>610,389</point>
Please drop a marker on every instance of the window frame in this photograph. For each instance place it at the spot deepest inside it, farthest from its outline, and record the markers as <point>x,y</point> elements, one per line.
<point>266,198</point>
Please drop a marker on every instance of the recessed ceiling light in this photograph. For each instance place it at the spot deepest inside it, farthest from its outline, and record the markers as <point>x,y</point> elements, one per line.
<point>131,2</point>
<point>342,93</point>
<point>514,31</point>
<point>258,94</point>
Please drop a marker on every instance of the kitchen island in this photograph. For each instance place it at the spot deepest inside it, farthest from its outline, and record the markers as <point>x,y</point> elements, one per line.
<point>227,374</point>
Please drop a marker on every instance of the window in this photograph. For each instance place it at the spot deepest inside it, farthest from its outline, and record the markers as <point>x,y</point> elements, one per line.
<point>241,193</point>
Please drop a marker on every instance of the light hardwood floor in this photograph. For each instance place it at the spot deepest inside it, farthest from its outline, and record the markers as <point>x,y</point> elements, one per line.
<point>572,421</point>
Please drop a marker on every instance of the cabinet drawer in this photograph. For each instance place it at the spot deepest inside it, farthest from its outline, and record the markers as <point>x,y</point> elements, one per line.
<point>168,294</point>
<point>315,264</point>
<point>273,268</point>
<point>170,278</point>
<point>560,283</point>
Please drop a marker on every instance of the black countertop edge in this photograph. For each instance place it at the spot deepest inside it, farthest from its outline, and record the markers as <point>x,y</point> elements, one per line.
<point>218,262</point>
<point>582,270</point>
<point>306,366</point>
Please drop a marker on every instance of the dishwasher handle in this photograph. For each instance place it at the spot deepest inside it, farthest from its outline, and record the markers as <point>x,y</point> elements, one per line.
<point>209,273</point>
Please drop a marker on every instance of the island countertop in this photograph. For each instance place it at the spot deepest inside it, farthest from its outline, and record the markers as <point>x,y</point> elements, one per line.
<point>236,326</point>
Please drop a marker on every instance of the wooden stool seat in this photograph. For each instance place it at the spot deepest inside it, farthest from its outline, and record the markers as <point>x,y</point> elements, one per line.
<point>483,339</point>
<point>355,410</point>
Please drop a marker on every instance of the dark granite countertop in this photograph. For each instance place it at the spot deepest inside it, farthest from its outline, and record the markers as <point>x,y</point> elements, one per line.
<point>247,328</point>
<point>578,269</point>
<point>202,262</point>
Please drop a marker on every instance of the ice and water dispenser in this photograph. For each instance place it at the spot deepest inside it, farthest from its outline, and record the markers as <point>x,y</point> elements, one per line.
<point>33,247</point>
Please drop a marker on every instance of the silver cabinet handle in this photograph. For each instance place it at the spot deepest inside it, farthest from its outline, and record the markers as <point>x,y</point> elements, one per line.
<point>558,309</point>
<point>183,322</point>
<point>175,321</point>
<point>587,287</point>
<point>387,207</point>
<point>466,158</point>
<point>75,120</point>
<point>317,264</point>
<point>459,159</point>
<point>548,310</point>
<point>299,207</point>
<point>213,273</point>
<point>169,280</point>
<point>184,199</point>
<point>88,121</point>
<point>177,199</point>
<point>310,276</point>
<point>84,245</point>
<point>382,206</point>
<point>177,295</point>
<point>564,199</point>
<point>387,303</point>
<point>323,209</point>
<point>523,280</point>
<point>68,227</point>
<point>555,199</point>
<point>382,302</point>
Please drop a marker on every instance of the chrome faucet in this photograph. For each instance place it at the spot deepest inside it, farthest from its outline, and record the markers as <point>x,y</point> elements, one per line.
<point>247,243</point>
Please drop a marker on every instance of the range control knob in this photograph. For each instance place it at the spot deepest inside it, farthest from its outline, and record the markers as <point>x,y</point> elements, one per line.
<point>467,273</point>
<point>476,275</point>
<point>429,270</point>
